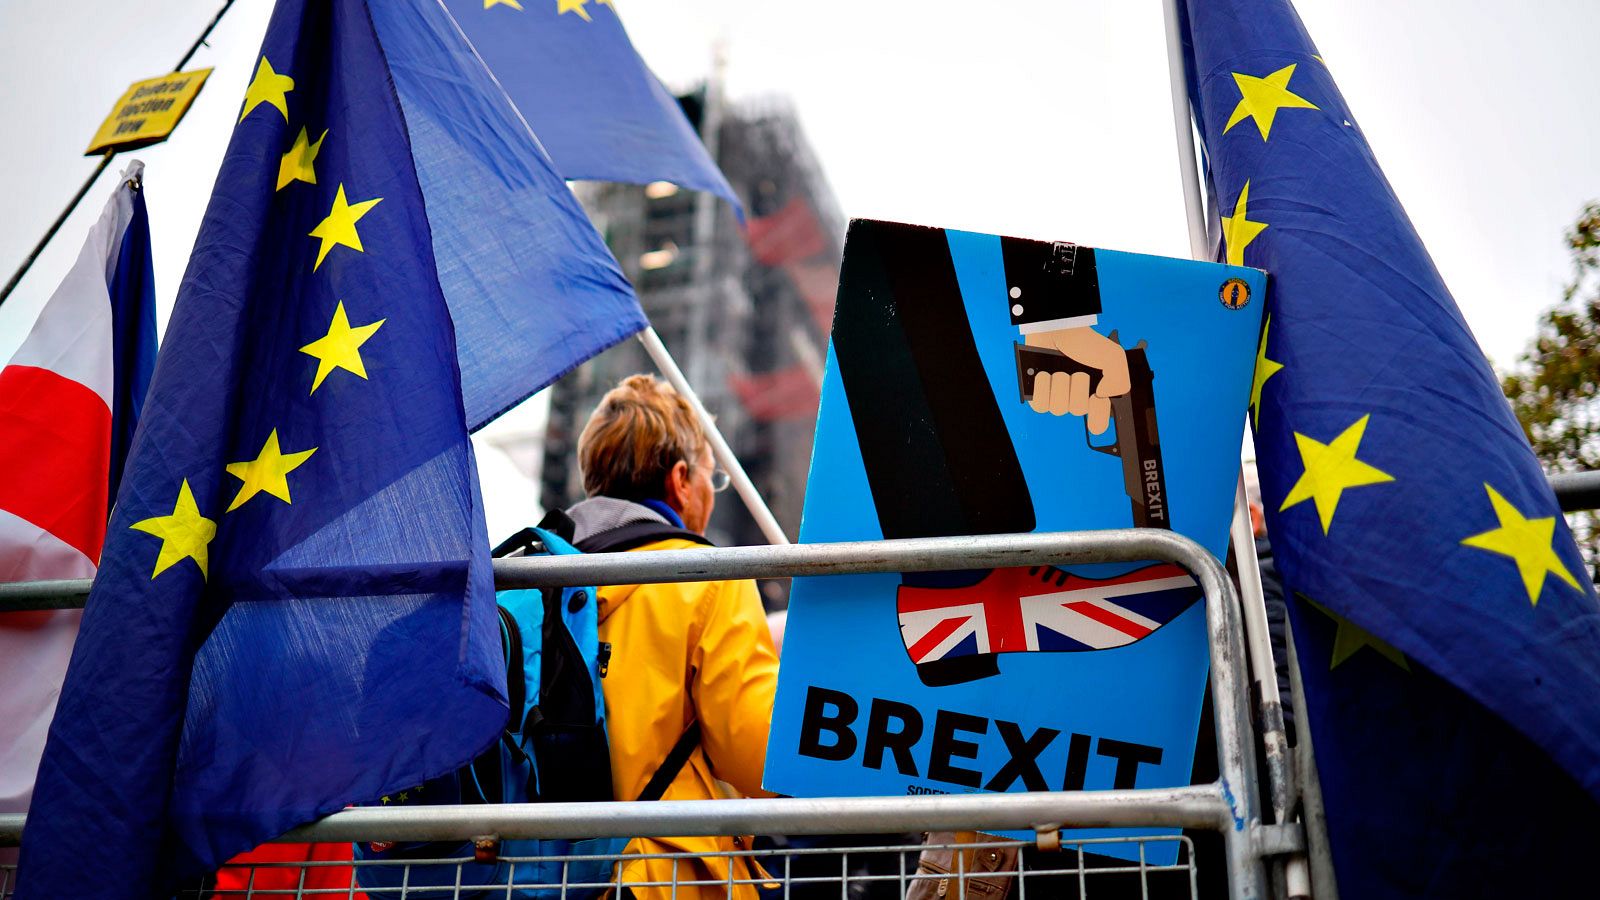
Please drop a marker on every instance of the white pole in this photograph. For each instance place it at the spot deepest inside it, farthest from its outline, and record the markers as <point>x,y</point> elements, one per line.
<point>1188,164</point>
<point>719,447</point>
<point>1241,533</point>
<point>1325,885</point>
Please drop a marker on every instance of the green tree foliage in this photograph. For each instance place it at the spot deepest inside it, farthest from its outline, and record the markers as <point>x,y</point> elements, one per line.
<point>1555,388</point>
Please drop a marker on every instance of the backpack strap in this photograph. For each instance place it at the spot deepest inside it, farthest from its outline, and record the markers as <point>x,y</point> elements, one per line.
<point>673,764</point>
<point>629,537</point>
<point>637,534</point>
<point>523,543</point>
<point>529,541</point>
<point>557,521</point>
<point>516,687</point>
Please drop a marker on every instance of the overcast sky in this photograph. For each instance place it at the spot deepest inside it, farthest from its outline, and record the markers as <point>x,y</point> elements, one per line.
<point>1041,119</point>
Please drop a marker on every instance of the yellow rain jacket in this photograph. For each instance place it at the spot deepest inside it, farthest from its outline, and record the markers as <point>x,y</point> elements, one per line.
<point>682,652</point>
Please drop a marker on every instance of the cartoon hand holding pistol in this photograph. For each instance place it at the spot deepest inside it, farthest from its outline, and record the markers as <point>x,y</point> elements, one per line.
<point>1053,293</point>
<point>1065,366</point>
<point>1062,393</point>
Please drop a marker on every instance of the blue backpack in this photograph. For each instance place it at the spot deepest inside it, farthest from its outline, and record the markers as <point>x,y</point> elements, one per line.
<point>554,749</point>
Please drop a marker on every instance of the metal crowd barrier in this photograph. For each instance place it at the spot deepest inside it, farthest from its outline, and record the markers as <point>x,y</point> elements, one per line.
<point>805,873</point>
<point>1576,491</point>
<point>871,872</point>
<point>1229,806</point>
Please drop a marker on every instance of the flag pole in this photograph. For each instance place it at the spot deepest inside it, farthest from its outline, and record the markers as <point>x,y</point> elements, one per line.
<point>1241,532</point>
<point>105,161</point>
<point>1188,164</point>
<point>1279,776</point>
<point>719,447</point>
<point>1313,811</point>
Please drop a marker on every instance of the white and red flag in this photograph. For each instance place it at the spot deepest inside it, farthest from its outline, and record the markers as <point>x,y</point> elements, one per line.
<point>69,400</point>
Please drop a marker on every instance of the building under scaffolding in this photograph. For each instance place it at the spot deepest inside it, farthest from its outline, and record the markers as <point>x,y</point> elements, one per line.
<point>745,311</point>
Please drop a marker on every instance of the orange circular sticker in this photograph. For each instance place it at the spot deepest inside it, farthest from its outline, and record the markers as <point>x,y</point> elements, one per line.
<point>1234,293</point>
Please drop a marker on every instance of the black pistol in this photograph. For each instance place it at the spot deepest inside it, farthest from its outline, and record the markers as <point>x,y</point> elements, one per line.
<point>1134,415</point>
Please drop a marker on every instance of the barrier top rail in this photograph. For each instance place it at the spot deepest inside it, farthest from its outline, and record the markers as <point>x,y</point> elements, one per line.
<point>791,560</point>
<point>1230,805</point>
<point>1576,491</point>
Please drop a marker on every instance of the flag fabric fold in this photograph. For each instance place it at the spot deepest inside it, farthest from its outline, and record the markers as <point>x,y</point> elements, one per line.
<point>294,611</point>
<point>69,399</point>
<point>532,289</point>
<point>1448,631</point>
<point>593,102</point>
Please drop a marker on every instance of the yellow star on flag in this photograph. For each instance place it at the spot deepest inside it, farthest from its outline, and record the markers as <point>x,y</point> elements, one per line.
<point>268,87</point>
<point>1331,469</point>
<point>1349,638</point>
<point>1265,369</point>
<point>1237,230</point>
<point>1261,98</point>
<point>1529,543</point>
<point>340,225</point>
<point>491,4</point>
<point>297,163</point>
<point>340,348</point>
<point>268,472</point>
<point>566,6</point>
<point>184,535</point>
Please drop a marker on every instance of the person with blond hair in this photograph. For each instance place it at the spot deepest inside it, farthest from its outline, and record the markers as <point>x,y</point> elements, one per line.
<point>692,670</point>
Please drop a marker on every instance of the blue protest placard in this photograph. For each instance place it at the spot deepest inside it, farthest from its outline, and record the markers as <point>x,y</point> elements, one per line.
<point>986,385</point>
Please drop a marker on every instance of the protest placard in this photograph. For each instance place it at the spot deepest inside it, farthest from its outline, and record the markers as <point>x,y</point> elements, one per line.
<point>950,353</point>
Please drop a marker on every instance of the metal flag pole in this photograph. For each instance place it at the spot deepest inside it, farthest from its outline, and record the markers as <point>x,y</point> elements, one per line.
<point>1280,778</point>
<point>1241,532</point>
<point>1315,813</point>
<point>1188,164</point>
<point>105,161</point>
<point>719,446</point>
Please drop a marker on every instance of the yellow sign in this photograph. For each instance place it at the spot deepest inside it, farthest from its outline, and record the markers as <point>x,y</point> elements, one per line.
<point>148,111</point>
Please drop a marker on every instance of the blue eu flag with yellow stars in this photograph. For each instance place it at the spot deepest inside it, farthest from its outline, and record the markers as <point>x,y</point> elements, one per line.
<point>596,106</point>
<point>1447,630</point>
<point>294,610</point>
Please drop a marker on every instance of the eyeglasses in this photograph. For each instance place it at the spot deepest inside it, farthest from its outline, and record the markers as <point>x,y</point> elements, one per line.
<point>720,479</point>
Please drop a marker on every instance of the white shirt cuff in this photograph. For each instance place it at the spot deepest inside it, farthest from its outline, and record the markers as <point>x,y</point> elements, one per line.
<point>1058,324</point>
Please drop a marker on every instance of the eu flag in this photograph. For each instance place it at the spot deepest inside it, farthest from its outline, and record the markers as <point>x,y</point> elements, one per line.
<point>531,287</point>
<point>1448,634</point>
<point>596,106</point>
<point>294,610</point>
